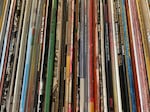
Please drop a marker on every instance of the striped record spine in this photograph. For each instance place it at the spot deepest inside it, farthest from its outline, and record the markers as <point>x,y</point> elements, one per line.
<point>8,56</point>
<point>128,62</point>
<point>139,58</point>
<point>5,51</point>
<point>45,58</point>
<point>108,62</point>
<point>68,57</point>
<point>68,62</point>
<point>44,72</point>
<point>132,58</point>
<point>121,56</point>
<point>31,35</point>
<point>10,62</point>
<point>12,83</point>
<point>103,57</point>
<point>5,39</point>
<point>42,38</point>
<point>125,83</point>
<point>71,59</point>
<point>32,91</point>
<point>20,65</point>
<point>56,77</point>
<point>5,48</point>
<point>114,60</point>
<point>43,52</point>
<point>42,35</point>
<point>3,28</point>
<point>51,56</point>
<point>68,77</point>
<point>63,58</point>
<point>82,55</point>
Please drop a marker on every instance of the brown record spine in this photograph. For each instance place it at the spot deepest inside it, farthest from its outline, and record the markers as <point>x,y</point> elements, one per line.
<point>63,58</point>
<point>145,12</point>
<point>144,38</point>
<point>75,57</point>
<point>95,59</point>
<point>2,11</point>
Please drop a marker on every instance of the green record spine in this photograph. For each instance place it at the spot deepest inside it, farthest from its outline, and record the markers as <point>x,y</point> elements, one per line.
<point>51,56</point>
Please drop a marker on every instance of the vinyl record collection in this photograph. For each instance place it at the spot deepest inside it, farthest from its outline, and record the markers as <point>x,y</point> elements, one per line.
<point>74,55</point>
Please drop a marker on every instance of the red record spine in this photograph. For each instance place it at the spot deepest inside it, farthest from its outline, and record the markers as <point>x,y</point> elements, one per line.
<point>90,63</point>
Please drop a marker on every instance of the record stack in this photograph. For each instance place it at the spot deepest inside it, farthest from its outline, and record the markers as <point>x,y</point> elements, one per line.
<point>75,55</point>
